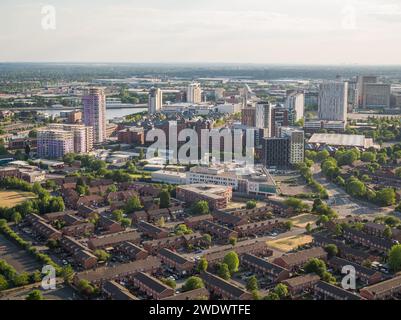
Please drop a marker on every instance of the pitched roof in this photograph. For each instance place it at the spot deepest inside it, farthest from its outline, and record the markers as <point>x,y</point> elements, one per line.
<point>303,255</point>
<point>300,280</point>
<point>222,284</point>
<point>262,263</point>
<point>117,291</point>
<point>121,270</point>
<point>384,286</point>
<point>173,256</point>
<point>336,292</point>
<point>151,282</point>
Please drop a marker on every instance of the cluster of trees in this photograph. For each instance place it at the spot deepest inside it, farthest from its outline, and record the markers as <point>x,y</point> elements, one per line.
<point>87,289</point>
<point>279,292</point>
<point>9,277</point>
<point>394,258</point>
<point>251,204</point>
<point>44,203</point>
<point>200,207</point>
<point>229,265</point>
<point>132,205</point>
<point>355,186</point>
<point>298,205</point>
<point>182,229</point>
<point>387,129</point>
<point>319,267</point>
<point>193,283</point>
<point>306,173</point>
<point>118,215</point>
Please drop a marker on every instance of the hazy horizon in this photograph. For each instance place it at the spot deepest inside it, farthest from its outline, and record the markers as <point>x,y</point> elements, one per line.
<point>257,32</point>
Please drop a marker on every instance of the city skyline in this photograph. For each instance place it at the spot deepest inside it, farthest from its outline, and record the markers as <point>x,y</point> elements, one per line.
<point>265,32</point>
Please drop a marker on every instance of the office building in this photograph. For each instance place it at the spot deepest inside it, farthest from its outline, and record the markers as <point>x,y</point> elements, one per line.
<point>155,102</point>
<point>372,94</point>
<point>263,117</point>
<point>332,102</point>
<point>194,93</point>
<point>94,104</point>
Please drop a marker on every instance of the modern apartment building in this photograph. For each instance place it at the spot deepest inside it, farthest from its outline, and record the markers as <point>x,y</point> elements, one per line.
<point>83,136</point>
<point>54,143</point>
<point>194,93</point>
<point>155,102</point>
<point>94,103</point>
<point>333,101</point>
<point>279,118</point>
<point>285,150</point>
<point>295,103</point>
<point>248,116</point>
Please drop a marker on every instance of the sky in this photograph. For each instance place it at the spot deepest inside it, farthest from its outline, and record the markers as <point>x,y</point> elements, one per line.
<point>363,32</point>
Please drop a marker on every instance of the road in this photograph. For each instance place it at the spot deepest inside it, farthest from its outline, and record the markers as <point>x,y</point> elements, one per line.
<point>343,203</point>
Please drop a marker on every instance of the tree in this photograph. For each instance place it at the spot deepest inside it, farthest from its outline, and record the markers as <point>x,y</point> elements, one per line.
<point>85,287</point>
<point>35,295</point>
<point>322,155</point>
<point>170,282</point>
<point>288,225</point>
<point>201,207</point>
<point>308,228</point>
<point>16,217</point>
<point>355,187</point>
<point>331,250</point>
<point>164,199</point>
<point>386,197</point>
<point>233,241</point>
<point>315,265</point>
<point>394,258</point>
<point>182,229</point>
<point>387,232</point>
<point>133,204</point>
<point>368,156</point>
<point>207,238</point>
<point>272,296</point>
<point>224,271</point>
<point>281,290</point>
<point>251,204</point>
<point>202,265</point>
<point>3,283</point>
<point>112,188</point>
<point>118,215</point>
<point>232,261</point>
<point>102,255</point>
<point>126,222</point>
<point>252,283</point>
<point>67,273</point>
<point>193,283</point>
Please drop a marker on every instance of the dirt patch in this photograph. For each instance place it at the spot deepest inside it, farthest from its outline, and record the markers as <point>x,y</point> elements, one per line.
<point>289,243</point>
<point>9,199</point>
<point>302,220</point>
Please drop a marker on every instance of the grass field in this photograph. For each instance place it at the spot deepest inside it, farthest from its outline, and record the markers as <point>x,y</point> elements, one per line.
<point>289,243</point>
<point>9,199</point>
<point>302,220</point>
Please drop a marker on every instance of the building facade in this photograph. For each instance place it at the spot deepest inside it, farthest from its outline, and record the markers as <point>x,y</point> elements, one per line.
<point>94,104</point>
